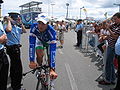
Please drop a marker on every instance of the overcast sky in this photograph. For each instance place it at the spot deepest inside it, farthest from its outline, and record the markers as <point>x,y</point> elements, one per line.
<point>95,8</point>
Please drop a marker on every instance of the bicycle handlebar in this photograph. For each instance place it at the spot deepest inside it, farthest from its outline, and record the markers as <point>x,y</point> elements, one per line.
<point>37,68</point>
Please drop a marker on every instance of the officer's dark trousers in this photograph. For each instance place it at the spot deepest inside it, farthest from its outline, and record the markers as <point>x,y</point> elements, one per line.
<point>4,65</point>
<point>15,66</point>
<point>79,37</point>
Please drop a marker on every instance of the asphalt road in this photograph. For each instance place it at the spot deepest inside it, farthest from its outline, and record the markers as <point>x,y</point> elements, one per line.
<point>76,70</point>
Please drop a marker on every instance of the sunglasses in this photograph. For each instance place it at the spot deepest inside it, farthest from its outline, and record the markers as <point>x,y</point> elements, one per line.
<point>39,22</point>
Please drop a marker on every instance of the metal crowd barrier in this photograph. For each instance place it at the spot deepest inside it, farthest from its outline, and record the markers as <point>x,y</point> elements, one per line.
<point>89,50</point>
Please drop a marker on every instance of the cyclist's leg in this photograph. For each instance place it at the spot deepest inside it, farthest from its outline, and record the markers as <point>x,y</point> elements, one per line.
<point>39,55</point>
<point>39,52</point>
<point>61,39</point>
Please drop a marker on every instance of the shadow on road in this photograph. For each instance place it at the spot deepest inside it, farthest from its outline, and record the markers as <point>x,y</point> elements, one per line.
<point>98,61</point>
<point>107,87</point>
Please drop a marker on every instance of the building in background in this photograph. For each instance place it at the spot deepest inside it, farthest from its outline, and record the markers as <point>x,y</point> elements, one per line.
<point>0,8</point>
<point>29,11</point>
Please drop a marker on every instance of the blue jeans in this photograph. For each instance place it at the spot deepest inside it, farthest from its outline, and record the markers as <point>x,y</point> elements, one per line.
<point>109,66</point>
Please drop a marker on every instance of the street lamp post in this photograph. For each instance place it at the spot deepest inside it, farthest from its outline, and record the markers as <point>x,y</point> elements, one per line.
<point>117,5</point>
<point>52,8</point>
<point>0,7</point>
<point>67,4</point>
<point>80,11</point>
<point>48,7</point>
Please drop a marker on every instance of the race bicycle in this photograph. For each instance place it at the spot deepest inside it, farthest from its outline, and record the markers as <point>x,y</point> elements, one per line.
<point>44,82</point>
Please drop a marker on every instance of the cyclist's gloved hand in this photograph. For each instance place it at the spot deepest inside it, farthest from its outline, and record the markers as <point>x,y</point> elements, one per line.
<point>33,65</point>
<point>53,74</point>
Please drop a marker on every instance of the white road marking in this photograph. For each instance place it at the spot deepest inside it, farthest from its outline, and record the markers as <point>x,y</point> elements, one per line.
<point>9,85</point>
<point>71,77</point>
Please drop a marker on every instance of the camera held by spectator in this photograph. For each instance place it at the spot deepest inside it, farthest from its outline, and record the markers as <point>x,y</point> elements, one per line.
<point>15,18</point>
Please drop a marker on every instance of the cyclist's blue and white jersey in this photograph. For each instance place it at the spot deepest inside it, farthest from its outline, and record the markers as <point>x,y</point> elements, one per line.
<point>49,36</point>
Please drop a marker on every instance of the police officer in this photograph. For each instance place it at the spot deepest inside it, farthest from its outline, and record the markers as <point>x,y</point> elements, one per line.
<point>4,64</point>
<point>14,31</point>
<point>78,30</point>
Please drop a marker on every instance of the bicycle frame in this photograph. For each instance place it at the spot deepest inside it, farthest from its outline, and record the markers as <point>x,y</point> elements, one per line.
<point>43,74</point>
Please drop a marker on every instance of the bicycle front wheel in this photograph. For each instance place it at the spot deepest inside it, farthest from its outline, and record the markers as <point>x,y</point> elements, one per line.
<point>39,86</point>
<point>43,84</point>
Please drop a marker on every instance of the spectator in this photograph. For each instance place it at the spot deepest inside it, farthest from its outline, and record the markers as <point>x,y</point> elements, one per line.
<point>61,29</point>
<point>56,28</point>
<point>114,31</point>
<point>117,51</point>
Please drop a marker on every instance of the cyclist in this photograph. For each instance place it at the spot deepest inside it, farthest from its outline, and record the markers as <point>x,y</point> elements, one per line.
<point>42,34</point>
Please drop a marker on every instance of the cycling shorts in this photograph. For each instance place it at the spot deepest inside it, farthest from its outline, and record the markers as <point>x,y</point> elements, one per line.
<point>39,45</point>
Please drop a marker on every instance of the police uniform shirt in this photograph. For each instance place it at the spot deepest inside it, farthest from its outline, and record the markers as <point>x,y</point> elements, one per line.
<point>14,35</point>
<point>79,26</point>
<point>1,33</point>
<point>117,46</point>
